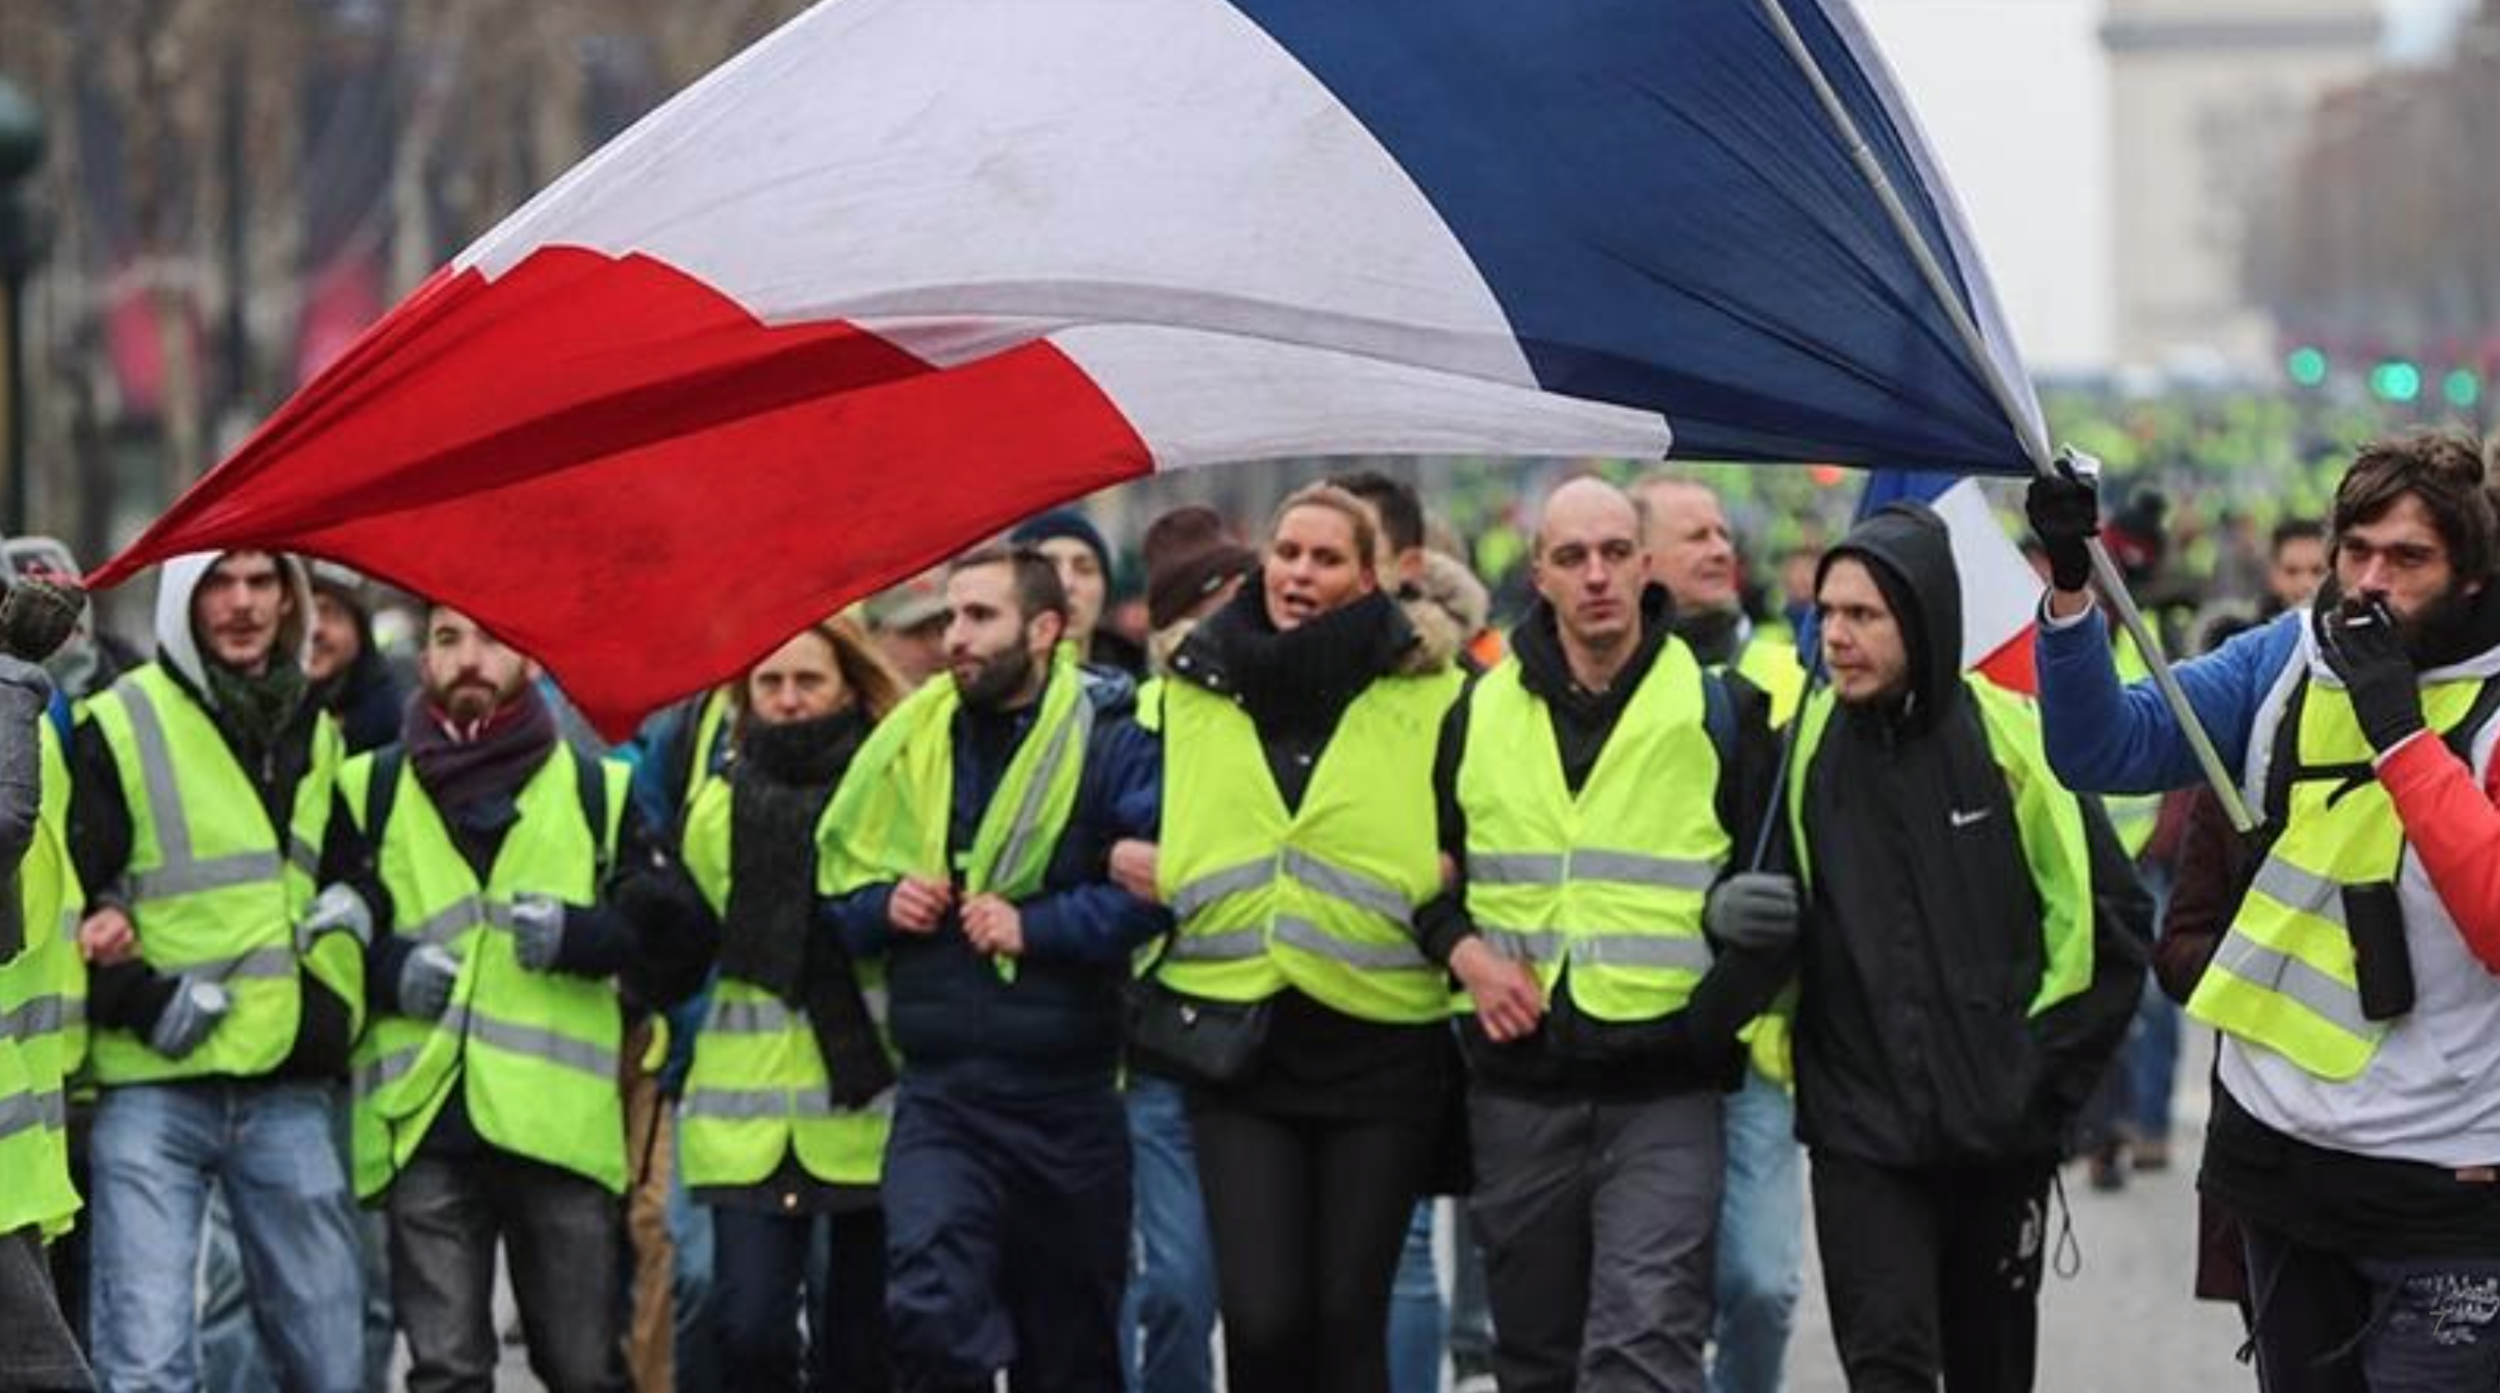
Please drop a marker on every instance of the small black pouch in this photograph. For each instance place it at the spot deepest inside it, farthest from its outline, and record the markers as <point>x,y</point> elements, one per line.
<point>2382,967</point>
<point>1191,1039</point>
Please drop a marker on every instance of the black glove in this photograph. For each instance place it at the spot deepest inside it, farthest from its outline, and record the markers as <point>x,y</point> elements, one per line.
<point>2360,642</point>
<point>38,616</point>
<point>2065,513</point>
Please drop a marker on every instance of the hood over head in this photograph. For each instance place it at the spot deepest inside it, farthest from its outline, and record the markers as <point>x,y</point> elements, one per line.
<point>178,580</point>
<point>1909,551</point>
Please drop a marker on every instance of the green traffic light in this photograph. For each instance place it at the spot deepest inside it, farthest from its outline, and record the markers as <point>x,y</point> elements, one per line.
<point>2396,380</point>
<point>2307,366</point>
<point>2462,388</point>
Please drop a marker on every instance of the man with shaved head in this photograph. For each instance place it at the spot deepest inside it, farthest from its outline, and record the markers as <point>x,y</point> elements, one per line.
<point>1597,790</point>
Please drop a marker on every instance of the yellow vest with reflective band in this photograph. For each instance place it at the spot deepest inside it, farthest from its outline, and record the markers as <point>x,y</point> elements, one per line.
<point>35,1188</point>
<point>2048,819</point>
<point>2283,977</point>
<point>51,850</point>
<point>1323,898</point>
<point>1610,882</point>
<point>2131,815</point>
<point>215,891</point>
<point>1769,661</point>
<point>757,1091</point>
<point>890,816</point>
<point>533,1053</point>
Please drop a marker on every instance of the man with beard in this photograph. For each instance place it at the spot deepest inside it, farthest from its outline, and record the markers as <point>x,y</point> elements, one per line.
<point>1614,944</point>
<point>487,1104</point>
<point>2356,1127</point>
<point>968,848</point>
<point>225,992</point>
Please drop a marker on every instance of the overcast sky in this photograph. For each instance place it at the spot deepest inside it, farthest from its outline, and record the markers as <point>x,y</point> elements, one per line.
<point>2011,94</point>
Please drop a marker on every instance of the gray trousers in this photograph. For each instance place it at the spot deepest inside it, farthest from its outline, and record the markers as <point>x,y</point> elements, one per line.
<point>1597,1221</point>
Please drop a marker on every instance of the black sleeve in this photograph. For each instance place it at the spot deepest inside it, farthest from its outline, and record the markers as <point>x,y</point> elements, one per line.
<point>2081,1035</point>
<point>1441,923</point>
<point>127,996</point>
<point>676,934</point>
<point>599,939</point>
<point>99,821</point>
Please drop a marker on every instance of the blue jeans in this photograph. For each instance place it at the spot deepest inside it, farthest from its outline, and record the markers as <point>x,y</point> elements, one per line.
<point>1761,1239</point>
<point>1167,1323</point>
<point>2152,1065</point>
<point>1418,1325</point>
<point>158,1149</point>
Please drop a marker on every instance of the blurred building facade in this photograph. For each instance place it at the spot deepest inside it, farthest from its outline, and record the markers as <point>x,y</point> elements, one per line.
<point>2207,101</point>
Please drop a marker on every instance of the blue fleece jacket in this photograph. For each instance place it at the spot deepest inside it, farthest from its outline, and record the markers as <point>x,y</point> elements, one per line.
<point>2105,738</point>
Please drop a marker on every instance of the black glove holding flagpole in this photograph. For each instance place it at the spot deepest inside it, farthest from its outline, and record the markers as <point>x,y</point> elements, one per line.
<point>2362,645</point>
<point>2065,513</point>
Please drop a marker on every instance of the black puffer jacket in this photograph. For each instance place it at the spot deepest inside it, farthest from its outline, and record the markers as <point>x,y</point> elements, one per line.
<point>1923,950</point>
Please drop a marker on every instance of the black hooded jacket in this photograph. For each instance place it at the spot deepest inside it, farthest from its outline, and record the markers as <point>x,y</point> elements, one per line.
<point>1923,948</point>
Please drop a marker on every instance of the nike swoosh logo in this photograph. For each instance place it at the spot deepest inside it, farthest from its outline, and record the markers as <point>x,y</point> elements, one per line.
<point>1962,819</point>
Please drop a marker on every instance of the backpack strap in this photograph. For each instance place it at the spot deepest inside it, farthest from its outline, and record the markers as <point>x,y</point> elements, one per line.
<point>382,790</point>
<point>1718,717</point>
<point>590,778</point>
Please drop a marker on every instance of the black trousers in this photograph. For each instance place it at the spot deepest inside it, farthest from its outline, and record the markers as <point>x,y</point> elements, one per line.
<point>1308,1217</point>
<point>760,1272</point>
<point>1932,1272</point>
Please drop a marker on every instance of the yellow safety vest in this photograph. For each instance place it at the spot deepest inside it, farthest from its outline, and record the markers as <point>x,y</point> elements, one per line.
<point>1611,881</point>
<point>1769,661</point>
<point>534,1053</point>
<point>215,890</point>
<point>35,1188</point>
<point>2283,978</point>
<point>2048,819</point>
<point>1321,899</point>
<point>51,850</point>
<point>758,1089</point>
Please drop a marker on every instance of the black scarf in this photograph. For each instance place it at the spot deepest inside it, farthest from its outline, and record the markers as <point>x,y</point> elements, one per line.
<point>1302,679</point>
<point>254,710</point>
<point>474,776</point>
<point>779,783</point>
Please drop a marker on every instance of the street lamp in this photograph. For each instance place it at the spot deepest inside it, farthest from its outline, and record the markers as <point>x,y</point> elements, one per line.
<point>21,152</point>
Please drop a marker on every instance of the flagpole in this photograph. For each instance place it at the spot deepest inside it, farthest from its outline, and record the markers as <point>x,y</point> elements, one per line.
<point>2034,439</point>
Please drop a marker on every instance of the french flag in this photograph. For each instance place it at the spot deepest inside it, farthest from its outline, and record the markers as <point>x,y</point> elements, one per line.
<point>909,270</point>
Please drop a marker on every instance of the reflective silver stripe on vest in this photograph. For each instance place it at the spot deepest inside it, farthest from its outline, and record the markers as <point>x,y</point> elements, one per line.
<point>1616,867</point>
<point>1067,741</point>
<point>74,1013</point>
<point>2253,962</point>
<point>770,1104</point>
<point>2302,890</point>
<point>23,1112</point>
<point>387,1070</point>
<point>1601,950</point>
<point>1230,946</point>
<point>751,1017</point>
<point>1524,945</point>
<point>258,965</point>
<point>1215,885</point>
<point>1353,887</point>
<point>1673,951</point>
<point>182,872</point>
<point>303,855</point>
<point>1378,957</point>
<point>444,927</point>
<point>546,1045</point>
<point>33,1019</point>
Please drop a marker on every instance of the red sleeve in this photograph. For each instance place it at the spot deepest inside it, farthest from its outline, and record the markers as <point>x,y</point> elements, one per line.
<point>2455,828</point>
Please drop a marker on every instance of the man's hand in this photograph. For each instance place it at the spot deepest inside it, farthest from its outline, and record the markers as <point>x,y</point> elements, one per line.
<point>2065,512</point>
<point>993,926</point>
<point>537,930</point>
<point>917,905</point>
<point>106,937</point>
<point>1509,1000</point>
<point>1133,868</point>
<point>337,909</point>
<point>426,980</point>
<point>2361,643</point>
<point>189,1017</point>
<point>38,616</point>
<point>1753,909</point>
